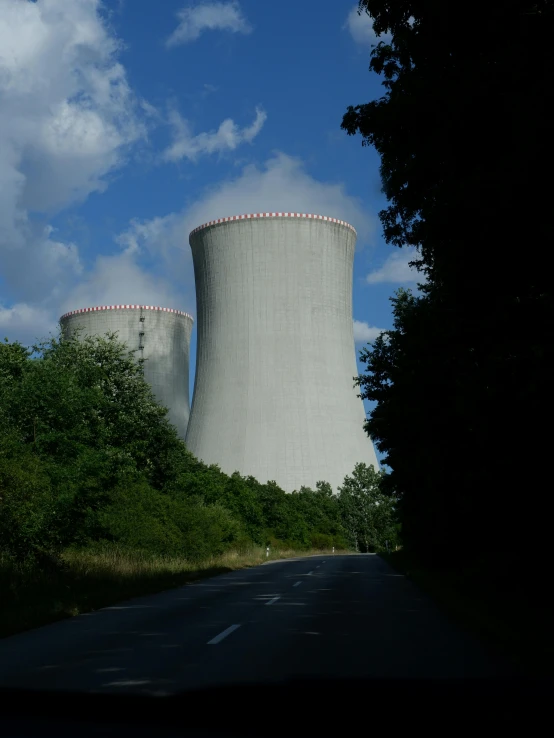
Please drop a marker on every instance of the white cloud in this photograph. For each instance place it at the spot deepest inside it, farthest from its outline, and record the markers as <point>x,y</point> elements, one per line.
<point>280,184</point>
<point>360,27</point>
<point>161,240</point>
<point>113,280</point>
<point>396,268</point>
<point>208,16</point>
<point>26,324</point>
<point>227,137</point>
<point>139,234</point>
<point>67,118</point>
<point>364,333</point>
<point>67,109</point>
<point>36,266</point>
<point>120,279</point>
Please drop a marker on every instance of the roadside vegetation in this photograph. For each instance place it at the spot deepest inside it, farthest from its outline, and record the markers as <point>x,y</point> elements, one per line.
<point>100,500</point>
<point>462,383</point>
<point>85,579</point>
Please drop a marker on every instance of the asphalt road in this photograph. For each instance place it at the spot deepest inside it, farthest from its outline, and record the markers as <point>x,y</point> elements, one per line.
<point>329,616</point>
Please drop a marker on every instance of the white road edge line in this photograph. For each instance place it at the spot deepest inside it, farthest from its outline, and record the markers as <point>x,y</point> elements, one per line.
<point>273,600</point>
<point>310,572</point>
<point>223,634</point>
<point>297,583</point>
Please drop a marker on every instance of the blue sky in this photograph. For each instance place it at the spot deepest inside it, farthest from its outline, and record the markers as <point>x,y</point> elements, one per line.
<point>126,123</point>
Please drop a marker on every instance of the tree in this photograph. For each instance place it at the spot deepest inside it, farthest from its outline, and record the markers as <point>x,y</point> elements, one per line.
<point>28,508</point>
<point>142,518</point>
<point>464,135</point>
<point>368,514</point>
<point>78,422</point>
<point>88,457</point>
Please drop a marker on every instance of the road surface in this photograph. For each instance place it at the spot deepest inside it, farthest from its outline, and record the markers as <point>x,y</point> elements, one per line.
<point>326,616</point>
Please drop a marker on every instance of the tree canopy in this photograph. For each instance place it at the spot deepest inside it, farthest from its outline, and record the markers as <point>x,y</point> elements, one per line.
<point>462,381</point>
<point>368,515</point>
<point>88,457</point>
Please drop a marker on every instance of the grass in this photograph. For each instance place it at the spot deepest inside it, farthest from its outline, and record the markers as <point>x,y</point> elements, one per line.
<point>88,580</point>
<point>500,601</point>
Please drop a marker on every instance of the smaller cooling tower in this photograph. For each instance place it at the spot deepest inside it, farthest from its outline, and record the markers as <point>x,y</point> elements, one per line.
<point>159,336</point>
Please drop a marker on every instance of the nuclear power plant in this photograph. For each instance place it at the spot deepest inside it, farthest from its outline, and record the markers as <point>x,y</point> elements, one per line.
<point>274,393</point>
<point>159,337</point>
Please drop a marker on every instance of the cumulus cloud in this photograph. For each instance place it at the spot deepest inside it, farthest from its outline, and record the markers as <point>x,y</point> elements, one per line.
<point>364,333</point>
<point>26,323</point>
<point>161,241</point>
<point>37,266</point>
<point>144,233</point>
<point>280,184</point>
<point>397,269</point>
<point>227,137</point>
<point>360,27</point>
<point>119,279</point>
<point>208,16</point>
<point>154,265</point>
<point>67,110</point>
<point>68,119</point>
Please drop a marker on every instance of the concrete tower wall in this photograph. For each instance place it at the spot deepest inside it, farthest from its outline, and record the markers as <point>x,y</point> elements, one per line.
<point>161,338</point>
<point>274,393</point>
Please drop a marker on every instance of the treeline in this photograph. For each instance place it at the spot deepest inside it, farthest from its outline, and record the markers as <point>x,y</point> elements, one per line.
<point>463,382</point>
<point>87,457</point>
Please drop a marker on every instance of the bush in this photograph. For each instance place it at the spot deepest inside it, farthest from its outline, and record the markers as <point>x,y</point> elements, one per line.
<point>321,541</point>
<point>144,519</point>
<point>29,523</point>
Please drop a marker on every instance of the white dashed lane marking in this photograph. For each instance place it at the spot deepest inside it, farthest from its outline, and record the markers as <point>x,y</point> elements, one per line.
<point>223,635</point>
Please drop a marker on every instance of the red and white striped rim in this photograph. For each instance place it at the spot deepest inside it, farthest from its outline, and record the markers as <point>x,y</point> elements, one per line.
<point>273,215</point>
<point>126,307</point>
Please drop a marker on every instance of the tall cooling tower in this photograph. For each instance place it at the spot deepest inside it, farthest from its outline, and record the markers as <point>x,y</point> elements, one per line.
<point>274,394</point>
<point>159,336</point>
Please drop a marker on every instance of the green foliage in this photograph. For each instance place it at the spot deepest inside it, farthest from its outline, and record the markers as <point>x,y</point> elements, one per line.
<point>463,381</point>
<point>88,458</point>
<point>321,541</point>
<point>79,425</point>
<point>28,510</point>
<point>140,517</point>
<point>368,515</point>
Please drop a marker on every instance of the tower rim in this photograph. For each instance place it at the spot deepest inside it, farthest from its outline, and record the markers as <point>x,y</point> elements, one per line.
<point>97,308</point>
<point>258,216</point>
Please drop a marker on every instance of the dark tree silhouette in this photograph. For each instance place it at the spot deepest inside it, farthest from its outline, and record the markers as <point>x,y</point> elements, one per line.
<point>463,382</point>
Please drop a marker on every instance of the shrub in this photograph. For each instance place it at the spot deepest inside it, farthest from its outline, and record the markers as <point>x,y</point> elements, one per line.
<point>321,541</point>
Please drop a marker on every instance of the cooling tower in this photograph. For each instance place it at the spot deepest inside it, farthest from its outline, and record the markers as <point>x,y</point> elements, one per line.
<point>159,336</point>
<point>273,393</point>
